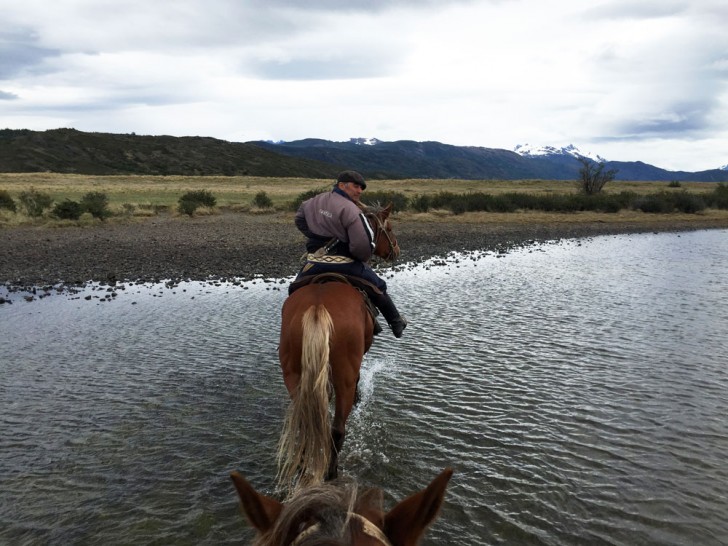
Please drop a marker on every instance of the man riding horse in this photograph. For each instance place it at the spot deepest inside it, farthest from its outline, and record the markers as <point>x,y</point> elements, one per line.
<point>341,240</point>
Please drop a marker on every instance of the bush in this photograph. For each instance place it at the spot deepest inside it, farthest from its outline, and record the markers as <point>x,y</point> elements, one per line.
<point>420,203</point>
<point>305,196</point>
<point>398,199</point>
<point>187,206</point>
<point>191,200</point>
<point>35,202</point>
<point>443,200</point>
<point>674,184</point>
<point>261,200</point>
<point>657,203</point>
<point>718,198</point>
<point>593,177</point>
<point>96,204</point>
<point>7,202</point>
<point>67,210</point>
<point>688,202</point>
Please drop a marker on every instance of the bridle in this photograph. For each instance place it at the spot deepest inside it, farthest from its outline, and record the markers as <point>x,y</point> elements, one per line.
<point>367,527</point>
<point>381,228</point>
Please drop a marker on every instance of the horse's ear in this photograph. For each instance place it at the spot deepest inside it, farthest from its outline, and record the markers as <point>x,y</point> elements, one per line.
<point>261,511</point>
<point>405,524</point>
<point>388,210</point>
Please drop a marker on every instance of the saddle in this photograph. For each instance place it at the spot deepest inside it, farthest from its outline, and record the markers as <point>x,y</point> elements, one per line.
<point>362,285</point>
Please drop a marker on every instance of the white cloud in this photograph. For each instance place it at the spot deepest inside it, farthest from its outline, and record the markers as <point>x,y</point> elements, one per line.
<point>643,81</point>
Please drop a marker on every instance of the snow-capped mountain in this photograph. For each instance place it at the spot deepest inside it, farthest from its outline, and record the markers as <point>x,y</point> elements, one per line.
<point>724,167</point>
<point>528,150</point>
<point>365,141</point>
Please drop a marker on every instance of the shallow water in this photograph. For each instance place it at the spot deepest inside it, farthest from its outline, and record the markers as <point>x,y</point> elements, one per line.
<point>577,388</point>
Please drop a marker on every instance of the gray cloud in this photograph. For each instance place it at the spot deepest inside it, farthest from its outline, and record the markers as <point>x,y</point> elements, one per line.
<point>639,10</point>
<point>680,120</point>
<point>357,5</point>
<point>4,95</point>
<point>20,53</point>
<point>308,69</point>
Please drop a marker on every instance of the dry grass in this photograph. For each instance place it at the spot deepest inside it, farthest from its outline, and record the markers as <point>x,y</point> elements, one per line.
<point>158,190</point>
<point>556,218</point>
<point>131,198</point>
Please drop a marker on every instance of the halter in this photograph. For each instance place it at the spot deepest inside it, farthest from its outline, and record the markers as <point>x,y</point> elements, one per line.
<point>367,527</point>
<point>380,228</point>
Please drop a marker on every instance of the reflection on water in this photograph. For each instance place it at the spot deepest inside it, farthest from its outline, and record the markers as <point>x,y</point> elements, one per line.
<point>577,388</point>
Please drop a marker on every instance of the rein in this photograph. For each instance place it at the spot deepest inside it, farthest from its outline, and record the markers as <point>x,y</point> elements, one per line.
<point>367,527</point>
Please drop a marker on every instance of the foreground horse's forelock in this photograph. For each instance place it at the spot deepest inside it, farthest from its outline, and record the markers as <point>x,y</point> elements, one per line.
<point>341,513</point>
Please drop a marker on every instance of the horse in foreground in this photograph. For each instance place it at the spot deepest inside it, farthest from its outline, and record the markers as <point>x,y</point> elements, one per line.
<point>326,329</point>
<point>338,514</point>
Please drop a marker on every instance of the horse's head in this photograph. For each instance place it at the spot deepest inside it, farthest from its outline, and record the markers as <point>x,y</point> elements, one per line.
<point>386,245</point>
<point>341,514</point>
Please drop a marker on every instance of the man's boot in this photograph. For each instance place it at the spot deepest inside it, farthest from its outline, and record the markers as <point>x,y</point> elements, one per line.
<point>396,321</point>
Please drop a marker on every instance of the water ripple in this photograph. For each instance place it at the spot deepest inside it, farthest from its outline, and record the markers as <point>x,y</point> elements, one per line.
<point>578,390</point>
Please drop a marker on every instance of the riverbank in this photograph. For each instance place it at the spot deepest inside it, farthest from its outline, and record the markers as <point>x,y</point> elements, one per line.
<point>234,245</point>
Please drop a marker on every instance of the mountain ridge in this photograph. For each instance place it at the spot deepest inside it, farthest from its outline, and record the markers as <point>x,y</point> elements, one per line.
<point>429,159</point>
<point>73,151</point>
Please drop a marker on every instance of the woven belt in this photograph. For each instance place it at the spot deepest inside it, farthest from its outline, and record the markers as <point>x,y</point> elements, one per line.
<point>328,259</point>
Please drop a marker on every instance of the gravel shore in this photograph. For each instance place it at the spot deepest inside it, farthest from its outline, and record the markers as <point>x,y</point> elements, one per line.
<point>234,245</point>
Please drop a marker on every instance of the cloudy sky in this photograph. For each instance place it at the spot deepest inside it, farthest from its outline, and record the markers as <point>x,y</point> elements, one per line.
<point>629,80</point>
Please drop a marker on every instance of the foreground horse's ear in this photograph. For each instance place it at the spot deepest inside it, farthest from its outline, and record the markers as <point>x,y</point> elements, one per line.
<point>388,210</point>
<point>261,511</point>
<point>405,524</point>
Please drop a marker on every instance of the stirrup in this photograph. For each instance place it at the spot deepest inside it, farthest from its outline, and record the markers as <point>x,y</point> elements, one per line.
<point>377,327</point>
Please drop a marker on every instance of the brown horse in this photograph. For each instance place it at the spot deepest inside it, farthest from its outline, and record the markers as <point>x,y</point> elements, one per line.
<point>325,331</point>
<point>341,514</point>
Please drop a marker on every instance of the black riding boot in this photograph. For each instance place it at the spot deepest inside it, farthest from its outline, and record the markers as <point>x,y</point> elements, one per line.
<point>385,304</point>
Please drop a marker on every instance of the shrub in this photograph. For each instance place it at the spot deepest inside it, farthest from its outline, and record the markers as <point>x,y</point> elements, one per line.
<point>96,204</point>
<point>688,202</point>
<point>443,200</point>
<point>187,206</point>
<point>593,177</point>
<point>674,184</point>
<point>203,197</point>
<point>7,202</point>
<point>420,203</point>
<point>305,196</point>
<point>35,202</point>
<point>191,200</point>
<point>67,210</point>
<point>718,198</point>
<point>261,200</point>
<point>524,201</point>
<point>398,199</point>
<point>656,203</point>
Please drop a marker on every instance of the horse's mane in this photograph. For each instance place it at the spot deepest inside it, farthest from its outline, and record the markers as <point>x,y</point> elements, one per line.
<point>329,505</point>
<point>372,208</point>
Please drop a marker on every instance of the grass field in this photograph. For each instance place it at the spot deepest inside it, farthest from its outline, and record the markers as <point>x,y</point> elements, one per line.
<point>133,198</point>
<point>240,191</point>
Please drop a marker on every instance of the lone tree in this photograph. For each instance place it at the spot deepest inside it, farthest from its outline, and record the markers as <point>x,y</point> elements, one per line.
<point>593,177</point>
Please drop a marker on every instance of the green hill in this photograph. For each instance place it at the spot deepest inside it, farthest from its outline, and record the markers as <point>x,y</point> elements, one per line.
<point>72,151</point>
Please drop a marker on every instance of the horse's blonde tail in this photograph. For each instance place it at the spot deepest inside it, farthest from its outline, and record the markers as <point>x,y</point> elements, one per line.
<point>305,444</point>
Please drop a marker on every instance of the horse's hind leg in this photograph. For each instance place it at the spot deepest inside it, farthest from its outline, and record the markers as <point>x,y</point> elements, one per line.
<point>357,396</point>
<point>343,402</point>
<point>337,437</point>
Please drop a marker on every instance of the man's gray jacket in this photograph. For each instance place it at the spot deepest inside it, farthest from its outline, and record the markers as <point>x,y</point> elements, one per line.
<point>334,215</point>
